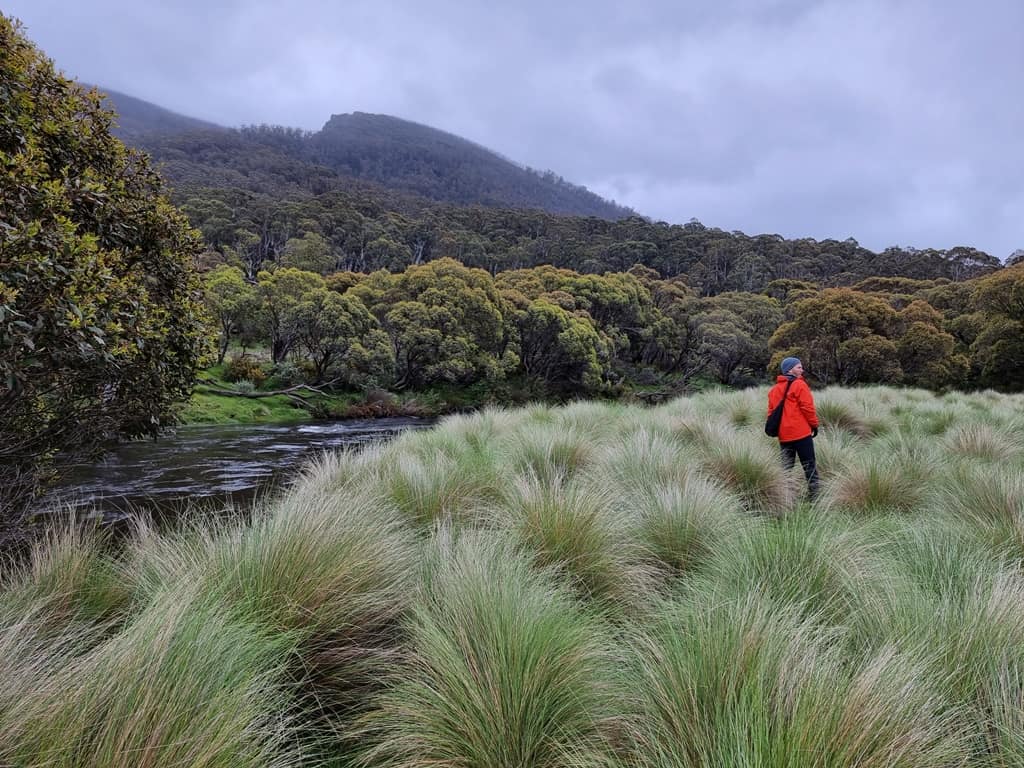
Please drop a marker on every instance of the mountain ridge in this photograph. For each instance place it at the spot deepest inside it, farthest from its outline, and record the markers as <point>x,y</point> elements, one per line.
<point>394,152</point>
<point>137,117</point>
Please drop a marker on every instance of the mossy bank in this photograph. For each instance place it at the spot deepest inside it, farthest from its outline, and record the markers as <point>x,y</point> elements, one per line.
<point>219,400</point>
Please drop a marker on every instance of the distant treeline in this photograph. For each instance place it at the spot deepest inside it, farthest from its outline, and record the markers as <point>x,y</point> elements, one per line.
<point>356,231</point>
<point>586,333</point>
<point>253,196</point>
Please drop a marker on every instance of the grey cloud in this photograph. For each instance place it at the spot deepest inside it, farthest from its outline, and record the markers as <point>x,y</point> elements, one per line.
<point>893,121</point>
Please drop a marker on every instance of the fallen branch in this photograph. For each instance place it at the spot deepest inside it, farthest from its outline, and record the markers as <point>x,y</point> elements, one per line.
<point>291,392</point>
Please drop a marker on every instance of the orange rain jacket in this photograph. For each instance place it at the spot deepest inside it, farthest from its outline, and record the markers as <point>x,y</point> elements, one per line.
<point>798,415</point>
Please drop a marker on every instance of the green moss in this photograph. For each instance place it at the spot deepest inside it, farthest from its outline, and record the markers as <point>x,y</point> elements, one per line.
<point>222,409</point>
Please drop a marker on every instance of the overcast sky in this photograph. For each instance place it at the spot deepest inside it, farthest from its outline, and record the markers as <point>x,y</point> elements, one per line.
<point>897,122</point>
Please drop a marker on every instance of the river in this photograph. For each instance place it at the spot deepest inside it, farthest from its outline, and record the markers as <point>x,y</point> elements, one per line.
<point>210,465</point>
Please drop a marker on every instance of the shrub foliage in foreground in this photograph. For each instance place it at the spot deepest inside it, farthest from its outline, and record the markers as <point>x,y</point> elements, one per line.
<point>100,322</point>
<point>593,585</point>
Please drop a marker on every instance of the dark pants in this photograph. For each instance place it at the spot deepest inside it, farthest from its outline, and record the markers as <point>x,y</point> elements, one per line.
<point>805,450</point>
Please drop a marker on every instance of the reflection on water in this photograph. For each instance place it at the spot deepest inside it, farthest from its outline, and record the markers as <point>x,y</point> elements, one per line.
<point>212,463</point>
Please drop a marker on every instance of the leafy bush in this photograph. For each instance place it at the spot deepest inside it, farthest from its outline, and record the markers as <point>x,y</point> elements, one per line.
<point>100,328</point>
<point>247,369</point>
<point>289,373</point>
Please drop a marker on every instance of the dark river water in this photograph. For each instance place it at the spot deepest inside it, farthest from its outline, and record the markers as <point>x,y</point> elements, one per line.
<point>211,465</point>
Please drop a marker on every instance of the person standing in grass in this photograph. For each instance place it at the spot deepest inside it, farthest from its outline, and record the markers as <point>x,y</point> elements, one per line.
<point>799,424</point>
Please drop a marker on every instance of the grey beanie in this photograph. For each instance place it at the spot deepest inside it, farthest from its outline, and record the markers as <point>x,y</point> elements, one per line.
<point>789,363</point>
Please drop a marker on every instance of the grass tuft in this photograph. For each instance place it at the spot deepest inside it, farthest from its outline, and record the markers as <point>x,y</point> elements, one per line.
<point>983,441</point>
<point>810,560</point>
<point>896,476</point>
<point>682,525</point>
<point>69,577</point>
<point>577,530</point>
<point>549,454</point>
<point>505,670</point>
<point>990,500</point>
<point>752,471</point>
<point>185,684</point>
<point>432,490</point>
<point>741,681</point>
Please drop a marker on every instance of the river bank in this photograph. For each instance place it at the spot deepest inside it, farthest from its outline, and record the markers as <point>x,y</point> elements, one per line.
<point>211,405</point>
<point>219,401</point>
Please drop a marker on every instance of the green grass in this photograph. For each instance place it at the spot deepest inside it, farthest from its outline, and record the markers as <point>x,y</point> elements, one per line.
<point>586,585</point>
<point>184,684</point>
<point>205,408</point>
<point>505,670</point>
<point>741,681</point>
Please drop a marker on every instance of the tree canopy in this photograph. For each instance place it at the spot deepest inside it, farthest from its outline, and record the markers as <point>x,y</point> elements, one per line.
<point>101,325</point>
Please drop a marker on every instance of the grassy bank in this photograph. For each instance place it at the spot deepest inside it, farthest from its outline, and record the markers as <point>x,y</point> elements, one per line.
<point>588,585</point>
<point>206,406</point>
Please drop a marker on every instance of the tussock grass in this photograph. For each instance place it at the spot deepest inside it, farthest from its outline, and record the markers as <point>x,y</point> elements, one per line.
<point>682,525</point>
<point>157,561</point>
<point>744,682</point>
<point>957,606</point>
<point>434,489</point>
<point>35,653</point>
<point>937,422</point>
<point>332,571</point>
<point>335,472</point>
<point>69,577</point>
<point>752,471</point>
<point>814,562</point>
<point>990,500</point>
<point>480,430</point>
<point>321,563</point>
<point>984,441</point>
<point>641,460</point>
<point>594,585</point>
<point>184,684</point>
<point>595,420</point>
<point>908,446</point>
<point>504,670</point>
<point>976,651</point>
<point>701,431</point>
<point>838,415</point>
<point>548,453</point>
<point>944,559</point>
<point>578,531</point>
<point>737,409</point>
<point>835,450</point>
<point>875,484</point>
<point>915,568</point>
<point>859,412</point>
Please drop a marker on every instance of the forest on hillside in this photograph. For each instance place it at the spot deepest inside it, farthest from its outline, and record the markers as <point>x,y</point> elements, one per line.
<point>363,232</point>
<point>356,150</point>
<point>250,197</point>
<point>362,286</point>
